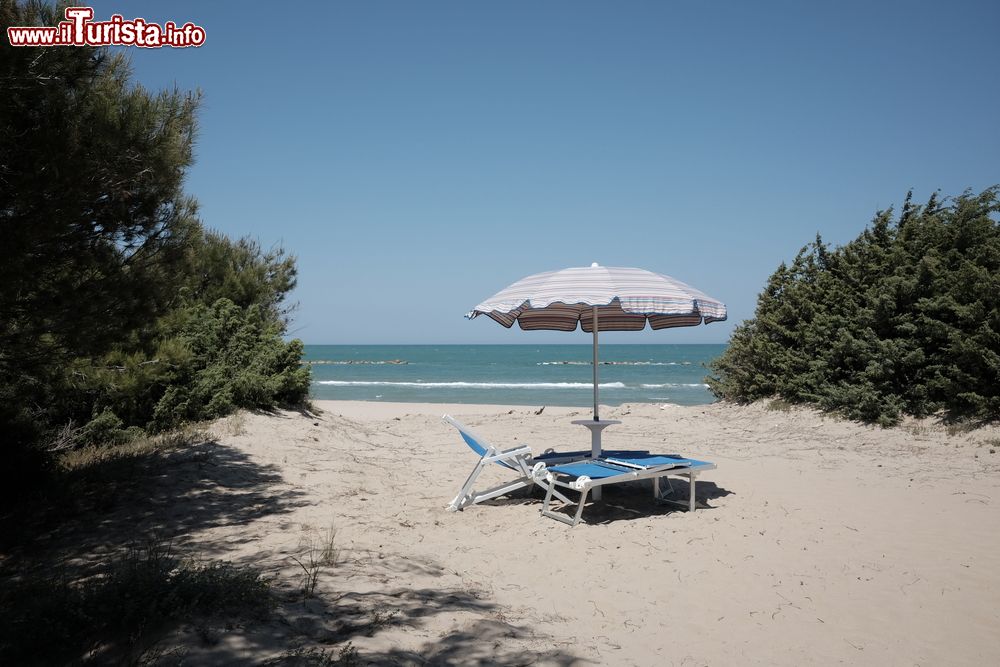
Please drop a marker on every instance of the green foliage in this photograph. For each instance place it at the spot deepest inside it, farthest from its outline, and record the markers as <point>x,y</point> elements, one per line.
<point>240,271</point>
<point>903,319</point>
<point>208,361</point>
<point>119,312</point>
<point>91,205</point>
<point>237,359</point>
<point>108,429</point>
<point>118,615</point>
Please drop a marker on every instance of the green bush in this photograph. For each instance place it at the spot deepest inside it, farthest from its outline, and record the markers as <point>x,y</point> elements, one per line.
<point>237,359</point>
<point>209,361</point>
<point>119,313</point>
<point>107,429</point>
<point>905,319</point>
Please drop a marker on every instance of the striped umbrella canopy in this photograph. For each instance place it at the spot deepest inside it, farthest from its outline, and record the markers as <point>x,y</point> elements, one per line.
<point>615,298</point>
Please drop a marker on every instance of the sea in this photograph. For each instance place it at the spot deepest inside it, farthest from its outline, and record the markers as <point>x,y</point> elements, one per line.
<point>512,374</point>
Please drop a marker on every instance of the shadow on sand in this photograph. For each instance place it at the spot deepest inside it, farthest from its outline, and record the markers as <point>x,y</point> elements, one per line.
<point>626,502</point>
<point>174,494</point>
<point>477,646</point>
<point>160,495</point>
<point>489,639</point>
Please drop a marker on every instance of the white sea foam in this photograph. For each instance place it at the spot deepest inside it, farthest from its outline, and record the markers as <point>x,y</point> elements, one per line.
<point>612,363</point>
<point>673,384</point>
<point>472,385</point>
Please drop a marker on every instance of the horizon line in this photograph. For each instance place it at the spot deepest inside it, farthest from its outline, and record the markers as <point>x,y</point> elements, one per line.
<point>523,344</point>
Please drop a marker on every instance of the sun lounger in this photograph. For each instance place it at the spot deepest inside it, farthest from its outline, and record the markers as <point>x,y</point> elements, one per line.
<point>530,469</point>
<point>613,468</point>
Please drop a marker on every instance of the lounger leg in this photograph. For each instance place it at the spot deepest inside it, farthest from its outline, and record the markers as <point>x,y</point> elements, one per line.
<point>467,495</point>
<point>500,490</point>
<point>550,490</point>
<point>659,492</point>
<point>547,503</point>
<point>579,509</point>
<point>548,497</point>
<point>691,476</point>
<point>461,500</point>
<point>558,516</point>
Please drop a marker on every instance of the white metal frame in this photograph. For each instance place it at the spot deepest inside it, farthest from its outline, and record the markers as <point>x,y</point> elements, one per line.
<point>518,458</point>
<point>584,484</point>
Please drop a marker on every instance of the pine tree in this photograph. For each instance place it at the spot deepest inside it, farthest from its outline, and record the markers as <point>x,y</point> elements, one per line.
<point>92,211</point>
<point>119,313</point>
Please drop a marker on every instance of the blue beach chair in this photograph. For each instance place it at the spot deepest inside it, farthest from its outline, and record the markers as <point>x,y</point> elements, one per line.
<point>530,469</point>
<point>613,468</point>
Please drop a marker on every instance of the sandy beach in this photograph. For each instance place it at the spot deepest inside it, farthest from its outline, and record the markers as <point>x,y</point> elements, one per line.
<point>395,212</point>
<point>816,541</point>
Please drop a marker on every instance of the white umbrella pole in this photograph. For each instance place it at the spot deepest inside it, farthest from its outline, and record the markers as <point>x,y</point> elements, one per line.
<point>596,417</point>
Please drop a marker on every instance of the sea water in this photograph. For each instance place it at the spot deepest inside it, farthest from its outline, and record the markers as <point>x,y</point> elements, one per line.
<point>512,374</point>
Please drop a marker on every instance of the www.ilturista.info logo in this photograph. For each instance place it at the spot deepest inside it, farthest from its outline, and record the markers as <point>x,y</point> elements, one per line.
<point>79,30</point>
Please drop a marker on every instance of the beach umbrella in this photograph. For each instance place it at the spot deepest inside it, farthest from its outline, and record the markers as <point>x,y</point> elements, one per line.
<point>613,298</point>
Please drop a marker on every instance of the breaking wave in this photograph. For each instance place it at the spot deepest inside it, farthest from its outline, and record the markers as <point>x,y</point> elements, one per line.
<point>613,363</point>
<point>472,385</point>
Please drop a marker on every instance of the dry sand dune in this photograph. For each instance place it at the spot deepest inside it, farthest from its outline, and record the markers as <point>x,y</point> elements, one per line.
<point>818,541</point>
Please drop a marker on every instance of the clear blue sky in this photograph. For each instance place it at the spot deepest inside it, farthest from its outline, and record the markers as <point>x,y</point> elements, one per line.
<point>419,156</point>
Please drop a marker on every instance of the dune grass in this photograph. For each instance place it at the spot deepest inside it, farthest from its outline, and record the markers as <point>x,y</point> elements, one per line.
<point>120,615</point>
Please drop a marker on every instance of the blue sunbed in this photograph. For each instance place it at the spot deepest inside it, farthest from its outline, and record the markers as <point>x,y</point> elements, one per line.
<point>531,469</point>
<point>614,468</point>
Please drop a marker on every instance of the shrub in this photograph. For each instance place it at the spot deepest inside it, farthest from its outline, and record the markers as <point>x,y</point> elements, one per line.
<point>237,359</point>
<point>903,319</point>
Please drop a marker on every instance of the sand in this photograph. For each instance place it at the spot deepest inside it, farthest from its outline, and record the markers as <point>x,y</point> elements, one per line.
<point>816,542</point>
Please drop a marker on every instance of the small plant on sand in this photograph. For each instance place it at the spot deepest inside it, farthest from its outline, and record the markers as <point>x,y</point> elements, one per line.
<point>347,656</point>
<point>235,424</point>
<point>379,620</point>
<point>329,553</point>
<point>310,572</point>
<point>960,427</point>
<point>319,551</point>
